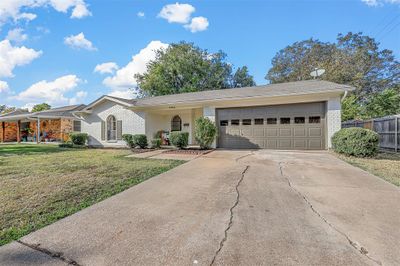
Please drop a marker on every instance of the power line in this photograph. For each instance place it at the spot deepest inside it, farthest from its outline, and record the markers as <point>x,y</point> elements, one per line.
<point>387,25</point>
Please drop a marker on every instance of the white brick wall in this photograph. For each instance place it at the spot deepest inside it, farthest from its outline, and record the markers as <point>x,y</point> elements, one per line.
<point>132,123</point>
<point>333,115</point>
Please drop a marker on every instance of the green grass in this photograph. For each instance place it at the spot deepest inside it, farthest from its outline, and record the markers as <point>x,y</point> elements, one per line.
<point>384,165</point>
<point>40,184</point>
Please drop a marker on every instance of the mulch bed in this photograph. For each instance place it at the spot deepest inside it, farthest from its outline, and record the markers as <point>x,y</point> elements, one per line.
<point>188,151</point>
<point>141,150</point>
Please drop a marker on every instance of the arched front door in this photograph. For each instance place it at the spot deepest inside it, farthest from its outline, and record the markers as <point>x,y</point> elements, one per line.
<point>111,128</point>
<point>176,123</point>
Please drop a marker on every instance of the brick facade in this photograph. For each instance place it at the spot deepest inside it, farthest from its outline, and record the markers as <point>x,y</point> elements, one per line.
<point>10,132</point>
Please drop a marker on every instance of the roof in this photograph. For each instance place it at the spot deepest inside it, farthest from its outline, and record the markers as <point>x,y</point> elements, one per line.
<point>60,112</point>
<point>15,112</point>
<point>271,90</point>
<point>122,101</point>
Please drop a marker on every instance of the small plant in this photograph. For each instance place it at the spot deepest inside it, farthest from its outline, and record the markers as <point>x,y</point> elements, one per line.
<point>205,132</point>
<point>79,139</point>
<point>179,139</point>
<point>128,138</point>
<point>354,141</point>
<point>66,145</point>
<point>140,140</point>
<point>156,143</point>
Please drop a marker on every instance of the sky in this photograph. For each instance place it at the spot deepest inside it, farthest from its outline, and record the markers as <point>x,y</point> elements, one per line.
<point>66,52</point>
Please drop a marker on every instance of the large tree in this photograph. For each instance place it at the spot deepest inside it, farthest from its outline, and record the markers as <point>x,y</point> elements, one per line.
<point>41,107</point>
<point>242,78</point>
<point>184,67</point>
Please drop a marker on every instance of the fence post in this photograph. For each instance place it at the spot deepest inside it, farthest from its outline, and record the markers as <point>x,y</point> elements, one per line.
<point>396,132</point>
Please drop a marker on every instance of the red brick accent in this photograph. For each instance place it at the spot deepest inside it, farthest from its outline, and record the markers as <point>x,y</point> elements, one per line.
<point>10,132</point>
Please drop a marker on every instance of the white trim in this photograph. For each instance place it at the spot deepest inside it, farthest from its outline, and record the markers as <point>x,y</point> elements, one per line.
<point>101,99</point>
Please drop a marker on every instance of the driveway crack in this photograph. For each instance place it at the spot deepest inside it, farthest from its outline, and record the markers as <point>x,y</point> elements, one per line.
<point>56,255</point>
<point>363,251</point>
<point>221,244</point>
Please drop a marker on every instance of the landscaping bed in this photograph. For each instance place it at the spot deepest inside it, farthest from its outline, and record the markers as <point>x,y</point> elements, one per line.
<point>40,184</point>
<point>188,151</point>
<point>142,150</point>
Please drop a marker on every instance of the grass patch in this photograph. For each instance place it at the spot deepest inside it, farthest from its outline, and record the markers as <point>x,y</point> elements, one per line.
<point>40,184</point>
<point>384,165</point>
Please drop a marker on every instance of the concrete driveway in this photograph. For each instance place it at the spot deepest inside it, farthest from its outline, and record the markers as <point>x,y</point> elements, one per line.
<point>231,208</point>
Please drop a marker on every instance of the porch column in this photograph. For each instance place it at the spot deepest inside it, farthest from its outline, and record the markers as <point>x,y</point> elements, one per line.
<point>209,111</point>
<point>3,131</point>
<point>19,131</point>
<point>38,131</point>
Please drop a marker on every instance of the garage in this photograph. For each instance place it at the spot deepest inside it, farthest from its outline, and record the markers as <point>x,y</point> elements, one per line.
<point>286,127</point>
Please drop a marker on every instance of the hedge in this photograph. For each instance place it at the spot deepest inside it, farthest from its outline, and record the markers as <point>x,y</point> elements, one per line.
<point>355,141</point>
<point>179,139</point>
<point>79,138</point>
<point>205,132</point>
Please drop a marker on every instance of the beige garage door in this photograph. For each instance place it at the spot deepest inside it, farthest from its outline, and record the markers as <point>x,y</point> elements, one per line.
<point>286,127</point>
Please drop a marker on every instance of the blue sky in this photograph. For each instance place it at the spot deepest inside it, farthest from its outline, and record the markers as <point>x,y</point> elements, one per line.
<point>49,49</point>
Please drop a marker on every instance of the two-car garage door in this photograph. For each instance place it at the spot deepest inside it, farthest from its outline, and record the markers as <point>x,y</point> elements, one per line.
<point>294,126</point>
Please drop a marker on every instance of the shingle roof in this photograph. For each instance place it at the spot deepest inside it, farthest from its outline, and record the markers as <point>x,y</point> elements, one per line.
<point>128,101</point>
<point>60,112</point>
<point>15,112</point>
<point>272,90</point>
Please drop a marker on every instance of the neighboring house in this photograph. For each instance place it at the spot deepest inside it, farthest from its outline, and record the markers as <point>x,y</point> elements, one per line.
<point>49,125</point>
<point>294,115</point>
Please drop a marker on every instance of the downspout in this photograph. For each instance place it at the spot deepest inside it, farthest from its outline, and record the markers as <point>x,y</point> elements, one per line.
<point>344,96</point>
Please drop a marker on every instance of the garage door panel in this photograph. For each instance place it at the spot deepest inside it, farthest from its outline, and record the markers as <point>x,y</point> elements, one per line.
<point>272,132</point>
<point>248,132</point>
<point>285,132</point>
<point>315,132</point>
<point>315,144</point>
<point>285,144</point>
<point>234,132</point>
<point>299,132</point>
<point>271,143</point>
<point>300,144</point>
<point>258,132</point>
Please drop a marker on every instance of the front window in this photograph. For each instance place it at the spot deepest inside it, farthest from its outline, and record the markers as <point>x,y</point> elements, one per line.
<point>111,128</point>
<point>176,123</point>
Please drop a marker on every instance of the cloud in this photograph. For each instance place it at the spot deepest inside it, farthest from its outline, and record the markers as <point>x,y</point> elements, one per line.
<point>124,77</point>
<point>17,9</point>
<point>380,2</point>
<point>125,94</point>
<point>140,14</point>
<point>198,24</point>
<point>104,68</point>
<point>79,42</point>
<point>177,13</point>
<point>4,88</point>
<point>77,99</point>
<point>51,92</point>
<point>17,35</point>
<point>12,56</point>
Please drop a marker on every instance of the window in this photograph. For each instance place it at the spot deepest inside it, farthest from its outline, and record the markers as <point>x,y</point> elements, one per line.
<point>299,120</point>
<point>223,123</point>
<point>259,121</point>
<point>314,119</point>
<point>285,120</point>
<point>271,121</point>
<point>77,126</point>
<point>111,128</point>
<point>246,122</point>
<point>176,123</point>
<point>234,122</point>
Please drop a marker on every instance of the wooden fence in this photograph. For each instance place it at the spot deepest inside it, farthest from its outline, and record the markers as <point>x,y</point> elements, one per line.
<point>388,129</point>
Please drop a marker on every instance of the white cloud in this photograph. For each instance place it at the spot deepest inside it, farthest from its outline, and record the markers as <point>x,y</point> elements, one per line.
<point>17,35</point>
<point>79,42</point>
<point>140,14</point>
<point>177,13</point>
<point>125,94</point>
<point>16,9</point>
<point>51,92</point>
<point>380,2</point>
<point>12,56</point>
<point>104,68</point>
<point>124,77</point>
<point>198,24</point>
<point>4,88</point>
<point>78,98</point>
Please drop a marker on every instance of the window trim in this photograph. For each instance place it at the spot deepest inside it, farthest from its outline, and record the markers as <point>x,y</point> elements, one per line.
<point>300,117</point>
<point>111,122</point>
<point>314,116</point>
<point>258,119</point>
<point>176,122</point>
<point>281,118</point>
<point>272,118</point>
<point>238,122</point>
<point>247,120</point>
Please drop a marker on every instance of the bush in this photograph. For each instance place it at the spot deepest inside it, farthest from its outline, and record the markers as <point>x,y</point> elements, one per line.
<point>205,132</point>
<point>359,142</point>
<point>128,138</point>
<point>140,140</point>
<point>66,145</point>
<point>179,139</point>
<point>79,138</point>
<point>156,143</point>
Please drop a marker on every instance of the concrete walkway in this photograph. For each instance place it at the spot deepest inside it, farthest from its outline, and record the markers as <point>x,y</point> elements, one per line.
<point>231,208</point>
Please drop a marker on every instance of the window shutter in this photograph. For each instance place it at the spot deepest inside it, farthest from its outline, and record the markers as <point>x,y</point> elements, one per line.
<point>119,129</point>
<point>103,130</point>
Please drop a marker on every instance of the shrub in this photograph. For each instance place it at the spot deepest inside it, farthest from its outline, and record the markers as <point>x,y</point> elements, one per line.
<point>79,138</point>
<point>128,138</point>
<point>66,145</point>
<point>179,139</point>
<point>359,142</point>
<point>140,140</point>
<point>156,143</point>
<point>205,132</point>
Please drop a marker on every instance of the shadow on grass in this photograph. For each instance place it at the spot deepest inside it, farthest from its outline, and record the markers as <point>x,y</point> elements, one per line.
<point>387,156</point>
<point>24,149</point>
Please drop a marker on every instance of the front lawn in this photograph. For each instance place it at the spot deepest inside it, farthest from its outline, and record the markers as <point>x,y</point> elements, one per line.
<point>384,165</point>
<point>40,184</point>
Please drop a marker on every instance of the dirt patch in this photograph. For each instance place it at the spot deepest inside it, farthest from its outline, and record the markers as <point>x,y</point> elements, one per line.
<point>142,150</point>
<point>188,151</point>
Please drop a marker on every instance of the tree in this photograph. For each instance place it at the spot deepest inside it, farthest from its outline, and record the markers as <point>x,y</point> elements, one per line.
<point>4,109</point>
<point>355,59</point>
<point>351,109</point>
<point>40,107</point>
<point>383,104</point>
<point>242,78</point>
<point>184,67</point>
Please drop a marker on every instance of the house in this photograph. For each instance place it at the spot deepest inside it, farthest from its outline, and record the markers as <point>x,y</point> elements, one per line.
<point>49,125</point>
<point>293,115</point>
